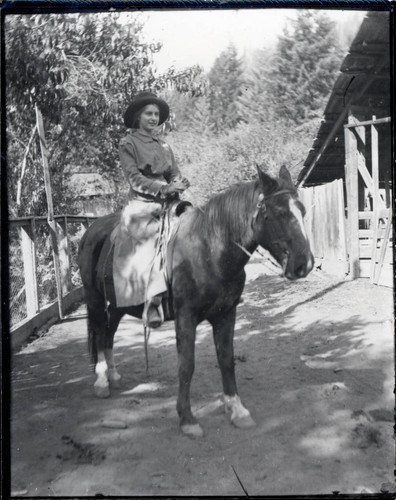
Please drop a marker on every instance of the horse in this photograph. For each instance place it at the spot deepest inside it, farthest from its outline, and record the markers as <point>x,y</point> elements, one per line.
<point>210,249</point>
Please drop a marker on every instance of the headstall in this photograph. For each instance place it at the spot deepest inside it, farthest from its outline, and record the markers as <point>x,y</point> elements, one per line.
<point>261,199</point>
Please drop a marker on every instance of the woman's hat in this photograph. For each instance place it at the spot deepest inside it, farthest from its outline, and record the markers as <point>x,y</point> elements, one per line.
<point>141,100</point>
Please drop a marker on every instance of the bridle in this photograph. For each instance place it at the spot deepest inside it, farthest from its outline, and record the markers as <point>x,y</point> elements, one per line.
<point>261,206</point>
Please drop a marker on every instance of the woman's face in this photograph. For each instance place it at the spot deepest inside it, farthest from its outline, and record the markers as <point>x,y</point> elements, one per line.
<point>149,118</point>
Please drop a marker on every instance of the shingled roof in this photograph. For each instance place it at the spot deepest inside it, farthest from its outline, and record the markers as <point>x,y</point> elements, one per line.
<point>363,86</point>
<point>84,185</point>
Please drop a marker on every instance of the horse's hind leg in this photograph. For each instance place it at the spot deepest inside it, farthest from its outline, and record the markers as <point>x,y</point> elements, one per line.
<point>102,328</point>
<point>223,332</point>
<point>114,377</point>
<point>96,343</point>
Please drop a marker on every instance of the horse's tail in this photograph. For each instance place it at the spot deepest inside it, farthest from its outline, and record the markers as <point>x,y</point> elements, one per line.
<point>92,349</point>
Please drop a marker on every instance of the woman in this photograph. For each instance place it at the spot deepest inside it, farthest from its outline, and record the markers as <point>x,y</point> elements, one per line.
<point>154,179</point>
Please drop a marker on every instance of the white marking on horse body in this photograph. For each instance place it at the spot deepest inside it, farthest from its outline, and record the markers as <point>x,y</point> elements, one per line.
<point>298,215</point>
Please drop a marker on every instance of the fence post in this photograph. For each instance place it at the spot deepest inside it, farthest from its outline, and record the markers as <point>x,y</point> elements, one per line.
<point>351,177</point>
<point>54,228</point>
<point>64,260</point>
<point>28,245</point>
<point>341,222</point>
<point>375,195</point>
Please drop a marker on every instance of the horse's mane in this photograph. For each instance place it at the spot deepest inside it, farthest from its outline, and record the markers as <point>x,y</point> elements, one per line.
<point>225,214</point>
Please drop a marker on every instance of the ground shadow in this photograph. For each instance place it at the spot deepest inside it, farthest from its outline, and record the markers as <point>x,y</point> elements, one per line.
<point>302,378</point>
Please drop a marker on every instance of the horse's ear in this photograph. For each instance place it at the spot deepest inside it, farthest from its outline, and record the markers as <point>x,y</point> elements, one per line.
<point>284,174</point>
<point>267,183</point>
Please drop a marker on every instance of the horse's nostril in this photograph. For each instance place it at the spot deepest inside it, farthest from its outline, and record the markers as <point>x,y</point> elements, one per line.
<point>300,271</point>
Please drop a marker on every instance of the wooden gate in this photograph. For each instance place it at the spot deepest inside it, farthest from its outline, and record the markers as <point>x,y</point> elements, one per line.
<point>369,203</point>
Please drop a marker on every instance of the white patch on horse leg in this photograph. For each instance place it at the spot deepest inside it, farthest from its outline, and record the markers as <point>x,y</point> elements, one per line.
<point>113,375</point>
<point>101,386</point>
<point>192,430</point>
<point>240,416</point>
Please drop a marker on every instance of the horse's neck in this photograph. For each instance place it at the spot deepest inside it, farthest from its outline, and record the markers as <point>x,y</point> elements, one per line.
<point>234,237</point>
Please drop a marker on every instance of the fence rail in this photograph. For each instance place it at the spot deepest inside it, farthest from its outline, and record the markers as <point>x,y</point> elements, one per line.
<point>34,284</point>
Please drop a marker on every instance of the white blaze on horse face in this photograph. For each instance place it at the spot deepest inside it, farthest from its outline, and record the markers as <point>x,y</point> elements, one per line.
<point>298,215</point>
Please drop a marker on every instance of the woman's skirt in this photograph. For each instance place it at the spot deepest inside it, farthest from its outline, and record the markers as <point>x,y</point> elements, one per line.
<point>138,263</point>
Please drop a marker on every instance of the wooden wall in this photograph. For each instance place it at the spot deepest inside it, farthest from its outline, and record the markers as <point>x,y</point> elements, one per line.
<point>325,225</point>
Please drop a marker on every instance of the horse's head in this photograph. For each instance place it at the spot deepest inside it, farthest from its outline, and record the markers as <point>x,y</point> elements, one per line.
<point>278,224</point>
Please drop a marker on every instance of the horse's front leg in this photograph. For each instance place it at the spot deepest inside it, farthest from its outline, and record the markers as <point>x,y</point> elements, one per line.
<point>223,332</point>
<point>185,337</point>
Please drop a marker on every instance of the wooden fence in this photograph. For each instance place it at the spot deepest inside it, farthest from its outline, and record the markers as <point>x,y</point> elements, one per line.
<point>44,280</point>
<point>326,225</point>
<point>336,247</point>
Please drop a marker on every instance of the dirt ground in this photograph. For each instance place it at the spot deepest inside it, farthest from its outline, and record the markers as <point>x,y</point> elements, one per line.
<point>315,367</point>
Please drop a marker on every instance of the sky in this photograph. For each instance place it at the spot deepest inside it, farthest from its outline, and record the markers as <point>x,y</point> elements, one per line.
<point>198,36</point>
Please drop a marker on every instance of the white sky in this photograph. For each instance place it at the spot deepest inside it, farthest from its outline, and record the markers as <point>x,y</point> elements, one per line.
<point>198,36</point>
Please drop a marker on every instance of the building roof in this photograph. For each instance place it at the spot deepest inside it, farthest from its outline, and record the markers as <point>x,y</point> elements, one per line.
<point>362,87</point>
<point>83,185</point>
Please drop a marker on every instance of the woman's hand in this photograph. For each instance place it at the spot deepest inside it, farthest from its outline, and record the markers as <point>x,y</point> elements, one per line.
<point>177,186</point>
<point>170,190</point>
<point>181,183</point>
<point>185,182</point>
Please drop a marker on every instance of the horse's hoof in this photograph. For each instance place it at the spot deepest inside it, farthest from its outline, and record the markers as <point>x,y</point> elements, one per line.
<point>102,392</point>
<point>192,430</point>
<point>115,381</point>
<point>115,384</point>
<point>244,422</point>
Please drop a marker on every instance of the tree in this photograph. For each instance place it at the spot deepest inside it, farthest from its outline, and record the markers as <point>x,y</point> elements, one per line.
<point>81,71</point>
<point>225,79</point>
<point>253,100</point>
<point>305,67</point>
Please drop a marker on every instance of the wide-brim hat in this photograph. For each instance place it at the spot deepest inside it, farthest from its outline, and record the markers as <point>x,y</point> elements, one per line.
<point>141,100</point>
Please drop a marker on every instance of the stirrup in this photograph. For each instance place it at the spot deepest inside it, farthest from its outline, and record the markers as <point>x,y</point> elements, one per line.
<point>153,314</point>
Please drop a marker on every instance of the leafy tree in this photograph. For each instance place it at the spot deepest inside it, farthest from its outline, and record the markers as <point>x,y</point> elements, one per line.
<point>81,71</point>
<point>304,67</point>
<point>225,79</point>
<point>253,102</point>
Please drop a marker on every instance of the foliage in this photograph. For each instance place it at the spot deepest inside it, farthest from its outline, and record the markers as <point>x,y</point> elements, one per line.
<point>81,71</point>
<point>225,79</point>
<point>305,66</point>
<point>267,116</point>
<point>253,101</point>
<point>212,163</point>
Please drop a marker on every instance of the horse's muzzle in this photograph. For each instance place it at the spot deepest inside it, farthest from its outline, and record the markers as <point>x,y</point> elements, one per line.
<point>299,267</point>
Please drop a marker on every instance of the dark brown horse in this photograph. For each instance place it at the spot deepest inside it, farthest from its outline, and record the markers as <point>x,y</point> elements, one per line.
<point>210,251</point>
